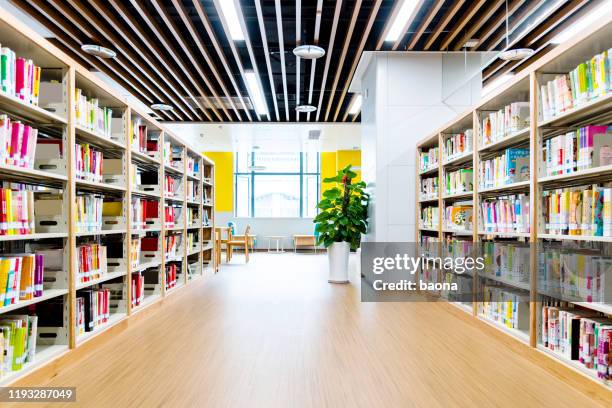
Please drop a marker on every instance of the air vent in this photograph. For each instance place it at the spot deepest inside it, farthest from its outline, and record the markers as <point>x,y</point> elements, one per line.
<point>314,134</point>
<point>225,102</point>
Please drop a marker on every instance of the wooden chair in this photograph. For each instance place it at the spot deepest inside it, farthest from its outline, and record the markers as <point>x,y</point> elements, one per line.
<point>217,260</point>
<point>240,241</point>
<point>300,241</point>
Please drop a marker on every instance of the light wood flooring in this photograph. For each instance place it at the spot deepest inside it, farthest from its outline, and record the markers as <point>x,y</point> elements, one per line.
<point>274,333</point>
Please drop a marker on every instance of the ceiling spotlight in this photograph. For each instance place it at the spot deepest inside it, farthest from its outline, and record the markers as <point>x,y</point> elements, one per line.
<point>98,51</point>
<point>162,107</point>
<point>309,52</point>
<point>516,54</point>
<point>305,108</point>
<point>471,43</point>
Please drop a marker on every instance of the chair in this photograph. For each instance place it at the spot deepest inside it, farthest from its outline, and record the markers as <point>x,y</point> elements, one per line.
<point>240,241</point>
<point>304,241</point>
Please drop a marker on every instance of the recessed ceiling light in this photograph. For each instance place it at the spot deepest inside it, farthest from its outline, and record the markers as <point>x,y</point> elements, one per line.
<point>256,93</point>
<point>309,51</point>
<point>583,23</point>
<point>356,105</point>
<point>402,17</point>
<point>516,54</point>
<point>162,107</point>
<point>98,51</point>
<point>305,108</point>
<point>471,43</point>
<point>229,11</point>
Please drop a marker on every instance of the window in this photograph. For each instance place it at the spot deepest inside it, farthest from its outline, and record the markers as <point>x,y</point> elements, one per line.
<point>276,184</point>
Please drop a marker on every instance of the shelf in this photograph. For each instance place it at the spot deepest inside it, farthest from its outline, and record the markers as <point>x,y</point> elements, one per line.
<point>593,173</point>
<point>192,177</point>
<point>467,194</point>
<point>429,170</point>
<point>40,235</point>
<point>143,158</point>
<point>18,108</point>
<point>100,232</point>
<point>507,282</point>
<point>176,287</point>
<point>171,169</point>
<point>207,247</point>
<point>207,205</point>
<point>428,200</point>
<point>113,319</point>
<point>141,193</point>
<point>179,228</point>
<point>193,202</point>
<point>511,139</point>
<point>144,231</point>
<point>95,186</point>
<point>193,251</point>
<point>47,294</point>
<point>431,229</point>
<point>461,233</point>
<point>191,227</point>
<point>575,237</point>
<point>102,279</point>
<point>206,183</point>
<point>506,234</point>
<point>89,136</point>
<point>506,189</point>
<point>584,112</point>
<point>146,302</point>
<point>573,364</point>
<point>517,334</point>
<point>44,354</point>
<point>9,172</point>
<point>146,265</point>
<point>464,158</point>
<point>174,199</point>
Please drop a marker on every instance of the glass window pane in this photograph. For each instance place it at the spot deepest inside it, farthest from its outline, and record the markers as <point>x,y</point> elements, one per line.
<point>272,162</point>
<point>243,162</point>
<point>277,196</point>
<point>311,198</point>
<point>311,164</point>
<point>243,196</point>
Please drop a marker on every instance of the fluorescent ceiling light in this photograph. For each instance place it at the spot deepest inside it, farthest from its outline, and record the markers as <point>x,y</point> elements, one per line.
<point>356,105</point>
<point>590,18</point>
<point>229,11</point>
<point>496,83</point>
<point>401,19</point>
<point>256,93</point>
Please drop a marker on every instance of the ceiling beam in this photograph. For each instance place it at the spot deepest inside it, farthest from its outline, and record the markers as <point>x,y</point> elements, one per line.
<point>340,65</point>
<point>460,22</point>
<point>389,23</point>
<point>298,41</point>
<point>313,66</point>
<point>481,19</point>
<point>450,14</point>
<point>519,19</point>
<point>492,26</point>
<point>281,45</point>
<point>425,23</point>
<point>137,29</point>
<point>407,25</point>
<point>328,56</point>
<point>264,39</point>
<point>364,38</point>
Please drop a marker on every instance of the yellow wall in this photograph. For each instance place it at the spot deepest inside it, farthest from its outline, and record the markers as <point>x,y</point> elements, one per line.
<point>332,162</point>
<point>224,180</point>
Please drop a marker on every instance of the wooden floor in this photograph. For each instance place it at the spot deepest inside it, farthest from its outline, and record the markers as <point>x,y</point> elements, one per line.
<point>276,334</point>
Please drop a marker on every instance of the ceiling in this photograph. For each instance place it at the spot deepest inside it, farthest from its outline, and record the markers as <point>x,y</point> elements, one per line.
<point>180,52</point>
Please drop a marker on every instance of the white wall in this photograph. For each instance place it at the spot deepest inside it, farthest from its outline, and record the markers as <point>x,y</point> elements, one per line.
<point>407,96</point>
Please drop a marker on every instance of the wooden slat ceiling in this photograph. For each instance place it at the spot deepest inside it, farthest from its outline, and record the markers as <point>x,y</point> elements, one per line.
<point>179,52</point>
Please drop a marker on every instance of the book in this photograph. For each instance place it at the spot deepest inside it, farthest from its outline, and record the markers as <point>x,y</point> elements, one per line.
<point>89,208</point>
<point>17,143</point>
<point>430,217</point>
<point>505,214</point>
<point>428,158</point>
<point>18,338</point>
<point>459,181</point>
<point>17,210</point>
<point>458,217</point>
<point>171,275</point>
<point>429,188</point>
<point>510,167</point>
<point>19,77</point>
<point>93,310</point>
<point>91,116</point>
<point>504,122</point>
<point>458,144</point>
<point>88,163</point>
<point>21,277</point>
<point>91,262</point>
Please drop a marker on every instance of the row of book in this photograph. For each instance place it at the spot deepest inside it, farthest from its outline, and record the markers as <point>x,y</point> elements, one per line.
<point>429,158</point>
<point>17,342</point>
<point>584,148</point>
<point>430,217</point>
<point>173,155</point>
<point>459,181</point>
<point>510,167</point>
<point>90,115</point>
<point>171,246</point>
<point>193,190</point>
<point>89,209</point>
<point>171,186</point>
<point>193,215</point>
<point>504,122</point>
<point>88,163</point>
<point>92,309</point>
<point>171,274</point>
<point>17,142</point>
<point>172,216</point>
<point>16,210</point>
<point>192,240</point>
<point>505,306</point>
<point>458,217</point>
<point>585,210</point>
<point>193,166</point>
<point>144,211</point>
<point>458,144</point>
<point>21,277</point>
<point>138,289</point>
<point>589,80</point>
<point>19,77</point>
<point>429,187</point>
<point>91,262</point>
<point>580,335</point>
<point>141,141</point>
<point>505,214</point>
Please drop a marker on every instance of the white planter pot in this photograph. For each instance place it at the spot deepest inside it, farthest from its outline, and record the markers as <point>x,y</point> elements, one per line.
<point>338,255</point>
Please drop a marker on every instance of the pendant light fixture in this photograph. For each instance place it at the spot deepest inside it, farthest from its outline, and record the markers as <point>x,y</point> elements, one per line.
<point>98,51</point>
<point>305,108</point>
<point>515,54</point>
<point>310,52</point>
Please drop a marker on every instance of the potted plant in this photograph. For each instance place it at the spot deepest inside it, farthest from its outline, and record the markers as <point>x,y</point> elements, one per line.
<point>342,220</point>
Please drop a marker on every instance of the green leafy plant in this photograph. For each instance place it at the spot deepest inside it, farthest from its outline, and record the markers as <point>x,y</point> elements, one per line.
<point>344,211</point>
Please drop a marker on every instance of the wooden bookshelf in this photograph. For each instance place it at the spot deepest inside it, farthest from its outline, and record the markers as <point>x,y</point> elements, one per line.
<point>60,174</point>
<point>525,87</point>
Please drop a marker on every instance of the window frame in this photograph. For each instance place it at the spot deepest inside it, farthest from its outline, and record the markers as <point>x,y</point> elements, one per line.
<point>252,174</point>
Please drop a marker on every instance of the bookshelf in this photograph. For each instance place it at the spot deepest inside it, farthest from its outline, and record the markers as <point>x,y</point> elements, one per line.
<point>539,291</point>
<point>88,221</point>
